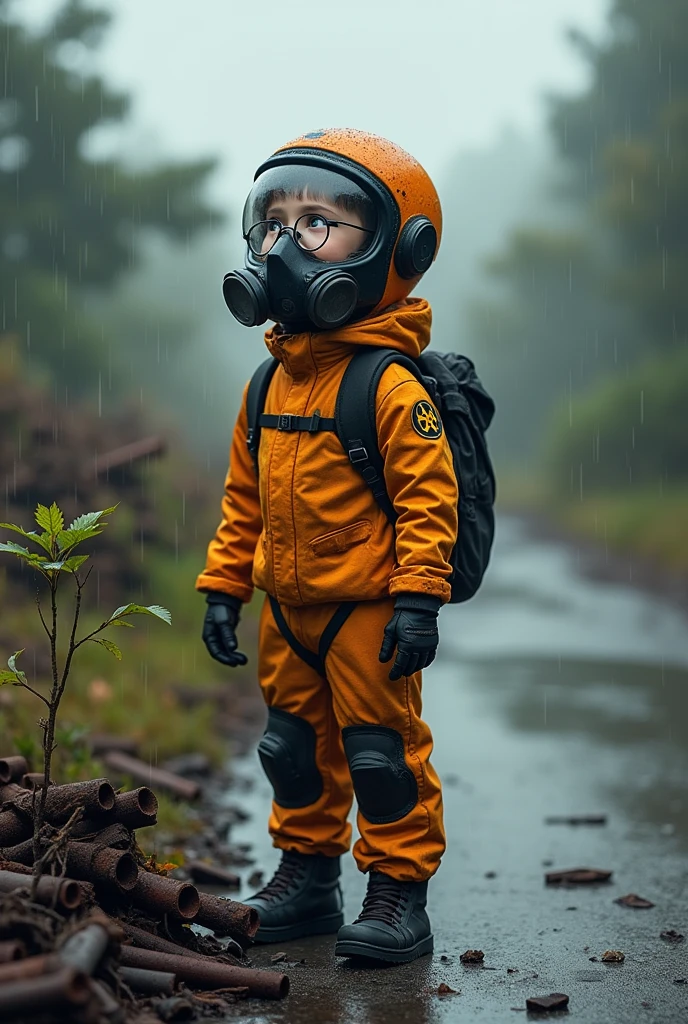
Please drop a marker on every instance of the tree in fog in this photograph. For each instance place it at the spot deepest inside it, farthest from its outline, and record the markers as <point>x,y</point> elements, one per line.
<point>602,311</point>
<point>68,222</point>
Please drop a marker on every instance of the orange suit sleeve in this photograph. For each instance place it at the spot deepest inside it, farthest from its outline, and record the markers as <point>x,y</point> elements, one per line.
<point>420,480</point>
<point>229,562</point>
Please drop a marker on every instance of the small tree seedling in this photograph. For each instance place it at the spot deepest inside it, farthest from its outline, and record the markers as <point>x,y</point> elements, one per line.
<point>56,558</point>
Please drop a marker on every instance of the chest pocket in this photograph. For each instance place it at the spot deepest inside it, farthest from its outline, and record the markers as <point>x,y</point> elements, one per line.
<point>341,540</point>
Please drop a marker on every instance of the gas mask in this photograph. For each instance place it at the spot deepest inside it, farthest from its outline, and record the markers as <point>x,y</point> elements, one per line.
<point>319,244</point>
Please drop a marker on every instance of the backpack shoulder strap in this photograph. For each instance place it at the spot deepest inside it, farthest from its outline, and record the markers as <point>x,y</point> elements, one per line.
<point>255,402</point>
<point>354,416</point>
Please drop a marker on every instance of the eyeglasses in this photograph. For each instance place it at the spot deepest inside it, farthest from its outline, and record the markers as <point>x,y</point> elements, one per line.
<point>310,232</point>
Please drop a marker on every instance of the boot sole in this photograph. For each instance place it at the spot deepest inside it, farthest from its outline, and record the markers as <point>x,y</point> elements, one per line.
<point>325,925</point>
<point>394,956</point>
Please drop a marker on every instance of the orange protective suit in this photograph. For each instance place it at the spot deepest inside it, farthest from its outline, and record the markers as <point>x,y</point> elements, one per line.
<point>311,534</point>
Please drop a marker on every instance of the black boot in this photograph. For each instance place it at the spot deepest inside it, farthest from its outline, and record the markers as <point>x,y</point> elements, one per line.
<point>303,897</point>
<point>392,925</point>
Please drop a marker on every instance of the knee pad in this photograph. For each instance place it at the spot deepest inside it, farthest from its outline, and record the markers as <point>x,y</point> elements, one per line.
<point>385,786</point>
<point>287,753</point>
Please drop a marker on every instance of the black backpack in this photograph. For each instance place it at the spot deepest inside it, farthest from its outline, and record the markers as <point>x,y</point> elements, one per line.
<point>466,410</point>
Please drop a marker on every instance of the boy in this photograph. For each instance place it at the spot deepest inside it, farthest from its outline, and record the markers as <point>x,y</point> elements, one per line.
<point>340,226</point>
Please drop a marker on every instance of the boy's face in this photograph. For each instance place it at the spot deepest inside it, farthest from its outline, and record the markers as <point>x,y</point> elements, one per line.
<point>308,215</point>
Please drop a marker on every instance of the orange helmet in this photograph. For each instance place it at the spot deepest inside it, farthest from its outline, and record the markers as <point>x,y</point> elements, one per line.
<point>399,211</point>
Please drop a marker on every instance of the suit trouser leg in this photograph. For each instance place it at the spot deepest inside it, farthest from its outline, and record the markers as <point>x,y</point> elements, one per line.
<point>292,686</point>
<point>357,696</point>
<point>408,848</point>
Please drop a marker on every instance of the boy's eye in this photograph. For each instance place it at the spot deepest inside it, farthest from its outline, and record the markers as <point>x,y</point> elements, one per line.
<point>274,225</point>
<point>316,221</point>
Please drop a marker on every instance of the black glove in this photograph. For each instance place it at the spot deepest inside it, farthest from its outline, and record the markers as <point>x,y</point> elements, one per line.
<point>219,628</point>
<point>413,631</point>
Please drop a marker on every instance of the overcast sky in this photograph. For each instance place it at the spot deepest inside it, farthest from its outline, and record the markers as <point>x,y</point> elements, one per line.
<point>238,79</point>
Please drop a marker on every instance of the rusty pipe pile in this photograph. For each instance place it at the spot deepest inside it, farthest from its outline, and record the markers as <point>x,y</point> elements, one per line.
<point>99,863</point>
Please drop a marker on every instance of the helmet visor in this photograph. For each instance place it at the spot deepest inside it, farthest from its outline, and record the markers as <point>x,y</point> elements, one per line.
<point>324,213</point>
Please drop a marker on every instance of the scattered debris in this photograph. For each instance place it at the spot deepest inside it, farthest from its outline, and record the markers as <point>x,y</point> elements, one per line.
<point>577,876</point>
<point>577,819</point>
<point>255,879</point>
<point>671,936</point>
<point>632,900</point>
<point>554,1001</point>
<point>593,959</point>
<point>444,990</point>
<point>472,956</point>
<point>490,874</point>
<point>211,874</point>
<point>445,959</point>
<point>277,958</point>
<point>613,956</point>
<point>679,981</point>
<point>124,764</point>
<point>188,764</point>
<point>512,970</point>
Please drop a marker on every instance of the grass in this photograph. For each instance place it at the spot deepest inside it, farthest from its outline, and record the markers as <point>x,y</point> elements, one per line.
<point>651,522</point>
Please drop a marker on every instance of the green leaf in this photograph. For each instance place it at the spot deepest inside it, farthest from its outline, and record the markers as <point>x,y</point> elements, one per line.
<point>39,538</point>
<point>121,622</point>
<point>12,665</point>
<point>109,646</point>
<point>8,677</point>
<point>139,609</point>
<point>52,565</point>
<point>73,563</point>
<point>70,538</point>
<point>50,519</point>
<point>89,519</point>
<point>17,549</point>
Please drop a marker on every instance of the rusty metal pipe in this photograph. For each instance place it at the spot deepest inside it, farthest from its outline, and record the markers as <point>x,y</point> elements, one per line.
<point>146,773</point>
<point>12,768</point>
<point>10,791</point>
<point>201,974</point>
<point>69,895</point>
<point>166,895</point>
<point>145,940</point>
<point>86,948</point>
<point>101,864</point>
<point>136,808</point>
<point>113,1011</point>
<point>32,967</point>
<point>227,917</point>
<point>14,828</point>
<point>148,983</point>
<point>12,949</point>
<point>61,988</point>
<point>32,780</point>
<point>100,743</point>
<point>93,796</point>
<point>88,862</point>
<point>22,853</point>
<point>142,800</point>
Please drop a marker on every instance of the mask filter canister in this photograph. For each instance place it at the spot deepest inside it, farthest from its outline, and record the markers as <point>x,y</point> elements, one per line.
<point>331,299</point>
<point>246,297</point>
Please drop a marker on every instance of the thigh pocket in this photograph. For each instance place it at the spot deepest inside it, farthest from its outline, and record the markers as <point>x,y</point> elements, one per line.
<point>341,540</point>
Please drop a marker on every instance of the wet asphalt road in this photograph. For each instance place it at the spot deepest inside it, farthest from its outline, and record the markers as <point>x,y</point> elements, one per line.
<point>551,695</point>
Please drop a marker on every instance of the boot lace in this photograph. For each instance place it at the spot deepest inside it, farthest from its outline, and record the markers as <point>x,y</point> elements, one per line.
<point>385,901</point>
<point>290,871</point>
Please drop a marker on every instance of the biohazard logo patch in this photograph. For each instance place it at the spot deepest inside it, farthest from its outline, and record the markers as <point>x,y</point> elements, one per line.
<point>426,420</point>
